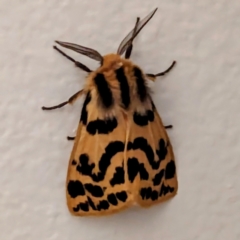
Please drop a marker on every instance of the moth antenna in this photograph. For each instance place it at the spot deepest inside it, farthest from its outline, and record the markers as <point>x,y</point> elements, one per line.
<point>82,50</point>
<point>132,34</point>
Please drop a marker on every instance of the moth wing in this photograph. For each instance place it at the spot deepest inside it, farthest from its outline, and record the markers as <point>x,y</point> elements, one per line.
<point>96,177</point>
<point>151,163</point>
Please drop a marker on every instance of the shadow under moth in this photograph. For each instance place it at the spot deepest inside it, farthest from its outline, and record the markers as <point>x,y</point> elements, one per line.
<point>121,154</point>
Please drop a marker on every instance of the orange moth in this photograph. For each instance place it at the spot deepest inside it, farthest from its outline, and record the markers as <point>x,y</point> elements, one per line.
<point>122,154</point>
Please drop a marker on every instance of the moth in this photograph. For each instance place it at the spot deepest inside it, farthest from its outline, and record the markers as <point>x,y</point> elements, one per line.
<point>122,155</point>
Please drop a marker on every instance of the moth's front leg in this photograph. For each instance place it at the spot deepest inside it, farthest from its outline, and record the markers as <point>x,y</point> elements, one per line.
<point>69,101</point>
<point>153,76</point>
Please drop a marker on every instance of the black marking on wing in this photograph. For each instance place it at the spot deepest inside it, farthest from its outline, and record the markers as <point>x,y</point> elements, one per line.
<point>141,84</point>
<point>118,177</point>
<point>104,90</point>
<point>102,126</point>
<point>124,87</point>
<point>165,189</point>
<point>84,113</point>
<point>81,206</point>
<point>170,170</point>
<point>74,162</point>
<point>154,195</point>
<point>84,206</point>
<point>112,199</point>
<point>75,188</point>
<point>143,119</point>
<point>96,191</point>
<point>146,193</point>
<point>91,204</point>
<point>122,196</point>
<point>158,178</point>
<point>163,151</point>
<point>103,205</point>
<point>85,168</point>
<point>134,167</point>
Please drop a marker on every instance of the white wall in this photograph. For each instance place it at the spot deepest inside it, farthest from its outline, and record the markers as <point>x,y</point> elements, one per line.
<point>200,97</point>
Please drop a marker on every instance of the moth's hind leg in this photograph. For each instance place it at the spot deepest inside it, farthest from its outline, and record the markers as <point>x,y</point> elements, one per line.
<point>78,64</point>
<point>168,126</point>
<point>69,101</point>
<point>153,76</point>
<point>130,47</point>
<point>70,138</point>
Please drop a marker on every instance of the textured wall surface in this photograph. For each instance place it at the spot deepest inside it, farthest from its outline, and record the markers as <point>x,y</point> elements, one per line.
<point>200,97</point>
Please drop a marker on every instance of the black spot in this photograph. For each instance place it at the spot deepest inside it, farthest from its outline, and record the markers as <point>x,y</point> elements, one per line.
<point>103,205</point>
<point>132,166</point>
<point>102,126</point>
<point>124,87</point>
<point>91,203</point>
<point>84,206</point>
<point>76,209</point>
<point>75,188</point>
<point>81,206</point>
<point>165,189</point>
<point>104,90</point>
<point>154,195</point>
<point>148,192</point>
<point>84,114</point>
<point>158,178</point>
<point>162,152</point>
<point>143,172</point>
<point>141,120</point>
<point>122,196</point>
<point>170,170</point>
<point>74,162</point>
<point>86,169</point>
<point>95,190</point>
<point>150,115</point>
<point>143,192</point>
<point>141,85</point>
<point>112,199</point>
<point>118,176</point>
<point>129,146</point>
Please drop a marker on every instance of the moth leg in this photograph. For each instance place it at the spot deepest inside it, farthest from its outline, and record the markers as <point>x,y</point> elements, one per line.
<point>153,76</point>
<point>69,101</point>
<point>130,47</point>
<point>168,126</point>
<point>78,64</point>
<point>70,138</point>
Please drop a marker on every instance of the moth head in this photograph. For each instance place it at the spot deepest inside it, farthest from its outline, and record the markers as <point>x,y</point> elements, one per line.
<point>112,61</point>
